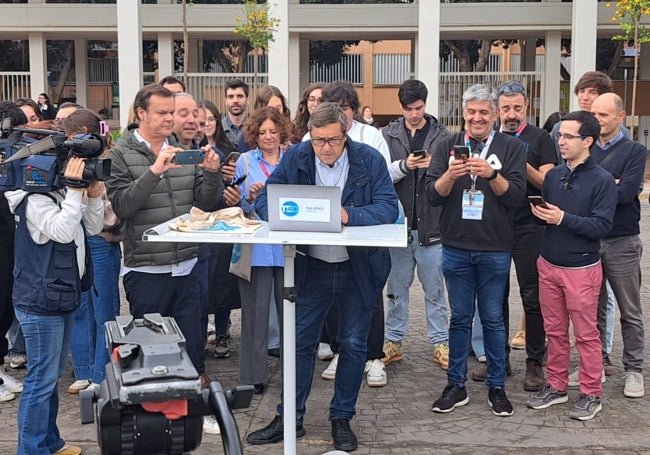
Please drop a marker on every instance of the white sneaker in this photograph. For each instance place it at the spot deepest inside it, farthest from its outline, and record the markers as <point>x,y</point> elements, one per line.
<point>78,386</point>
<point>574,378</point>
<point>6,395</point>
<point>210,425</point>
<point>330,372</point>
<point>481,359</point>
<point>633,384</point>
<point>10,383</point>
<point>325,352</point>
<point>375,373</point>
<point>18,361</point>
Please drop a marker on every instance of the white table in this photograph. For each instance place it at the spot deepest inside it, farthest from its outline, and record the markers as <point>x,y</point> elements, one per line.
<point>384,235</point>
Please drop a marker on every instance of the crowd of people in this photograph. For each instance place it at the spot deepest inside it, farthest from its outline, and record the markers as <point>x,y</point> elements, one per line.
<point>561,203</point>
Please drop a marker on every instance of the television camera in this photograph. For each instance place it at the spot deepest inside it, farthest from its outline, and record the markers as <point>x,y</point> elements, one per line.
<point>151,401</point>
<point>37,166</point>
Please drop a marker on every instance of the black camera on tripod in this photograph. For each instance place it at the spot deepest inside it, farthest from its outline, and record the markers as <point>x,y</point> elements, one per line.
<point>37,166</point>
<point>151,401</point>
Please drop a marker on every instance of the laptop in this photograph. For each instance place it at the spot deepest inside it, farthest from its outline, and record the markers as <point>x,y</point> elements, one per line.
<point>307,208</point>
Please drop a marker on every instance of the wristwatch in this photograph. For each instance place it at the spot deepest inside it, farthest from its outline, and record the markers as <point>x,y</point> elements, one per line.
<point>493,176</point>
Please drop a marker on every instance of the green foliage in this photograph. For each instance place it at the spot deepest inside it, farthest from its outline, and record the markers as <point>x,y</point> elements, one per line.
<point>257,25</point>
<point>628,14</point>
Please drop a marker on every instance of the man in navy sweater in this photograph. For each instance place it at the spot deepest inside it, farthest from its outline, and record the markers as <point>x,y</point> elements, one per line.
<point>580,200</point>
<point>621,248</point>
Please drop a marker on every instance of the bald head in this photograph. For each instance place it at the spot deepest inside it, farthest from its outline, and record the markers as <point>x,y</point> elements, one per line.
<point>609,110</point>
<point>186,113</point>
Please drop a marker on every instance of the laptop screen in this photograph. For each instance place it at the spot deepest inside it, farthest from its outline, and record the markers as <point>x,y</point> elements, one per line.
<point>307,208</point>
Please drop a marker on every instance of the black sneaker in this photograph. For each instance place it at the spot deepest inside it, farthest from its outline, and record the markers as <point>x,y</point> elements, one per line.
<point>222,349</point>
<point>586,408</point>
<point>547,396</point>
<point>451,397</point>
<point>499,402</point>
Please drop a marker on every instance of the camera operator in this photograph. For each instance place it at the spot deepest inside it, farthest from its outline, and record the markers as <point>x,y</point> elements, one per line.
<point>51,250</point>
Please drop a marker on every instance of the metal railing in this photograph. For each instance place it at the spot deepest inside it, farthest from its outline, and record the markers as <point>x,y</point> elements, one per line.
<point>452,86</point>
<point>14,85</point>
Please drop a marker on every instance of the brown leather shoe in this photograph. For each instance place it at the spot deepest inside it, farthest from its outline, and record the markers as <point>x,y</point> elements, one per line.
<point>534,376</point>
<point>608,366</point>
<point>480,373</point>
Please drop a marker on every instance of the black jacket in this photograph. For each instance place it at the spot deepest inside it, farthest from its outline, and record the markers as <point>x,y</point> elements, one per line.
<point>428,216</point>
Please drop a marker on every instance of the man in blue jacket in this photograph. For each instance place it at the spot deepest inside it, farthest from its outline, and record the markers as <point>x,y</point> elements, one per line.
<point>352,277</point>
<point>580,200</point>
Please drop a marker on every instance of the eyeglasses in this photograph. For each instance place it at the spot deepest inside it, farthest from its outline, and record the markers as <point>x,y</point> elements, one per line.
<point>321,141</point>
<point>511,87</point>
<point>569,137</point>
<point>313,99</point>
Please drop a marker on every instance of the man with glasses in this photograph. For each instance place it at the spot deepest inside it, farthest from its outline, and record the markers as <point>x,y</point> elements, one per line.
<point>540,157</point>
<point>411,139</point>
<point>579,201</point>
<point>478,176</point>
<point>344,94</point>
<point>352,278</point>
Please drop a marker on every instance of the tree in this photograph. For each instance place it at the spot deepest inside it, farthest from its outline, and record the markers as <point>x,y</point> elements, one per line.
<point>258,27</point>
<point>628,14</point>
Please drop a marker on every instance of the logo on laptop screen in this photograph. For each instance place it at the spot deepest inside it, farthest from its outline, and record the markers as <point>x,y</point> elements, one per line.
<point>290,208</point>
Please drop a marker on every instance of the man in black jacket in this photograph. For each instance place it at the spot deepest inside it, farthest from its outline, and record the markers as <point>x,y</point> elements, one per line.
<point>410,139</point>
<point>478,176</point>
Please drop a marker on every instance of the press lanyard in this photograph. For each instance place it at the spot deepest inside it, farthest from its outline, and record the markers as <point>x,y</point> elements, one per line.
<point>483,154</point>
<point>518,132</point>
<point>265,170</point>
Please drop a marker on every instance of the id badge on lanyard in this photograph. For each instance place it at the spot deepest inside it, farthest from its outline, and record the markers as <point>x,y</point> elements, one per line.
<point>473,199</point>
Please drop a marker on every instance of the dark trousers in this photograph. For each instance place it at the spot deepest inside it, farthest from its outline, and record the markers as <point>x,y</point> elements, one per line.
<point>528,242</point>
<point>7,227</point>
<point>178,297</point>
<point>375,336</point>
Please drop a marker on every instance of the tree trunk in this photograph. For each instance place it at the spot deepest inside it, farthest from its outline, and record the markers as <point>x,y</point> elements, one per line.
<point>460,50</point>
<point>615,59</point>
<point>65,71</point>
<point>186,45</point>
<point>484,55</point>
<point>637,47</point>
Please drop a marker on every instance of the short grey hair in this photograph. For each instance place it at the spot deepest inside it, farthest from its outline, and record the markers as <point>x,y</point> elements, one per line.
<point>327,113</point>
<point>480,92</point>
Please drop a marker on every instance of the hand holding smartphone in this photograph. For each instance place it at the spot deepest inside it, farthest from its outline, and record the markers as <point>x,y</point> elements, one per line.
<point>189,157</point>
<point>538,201</point>
<point>239,181</point>
<point>461,152</point>
<point>419,153</point>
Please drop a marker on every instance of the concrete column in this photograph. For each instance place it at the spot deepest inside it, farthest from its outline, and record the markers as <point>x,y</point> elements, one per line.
<point>278,56</point>
<point>294,90</point>
<point>129,39</point>
<point>583,41</point>
<point>165,55</point>
<point>38,65</point>
<point>427,51</point>
<point>528,53</point>
<point>81,71</point>
<point>551,78</point>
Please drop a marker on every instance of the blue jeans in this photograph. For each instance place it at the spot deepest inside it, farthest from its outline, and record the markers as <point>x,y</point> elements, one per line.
<point>46,340</point>
<point>98,305</point>
<point>402,272</point>
<point>331,284</point>
<point>482,274</point>
<point>16,339</point>
<point>477,336</point>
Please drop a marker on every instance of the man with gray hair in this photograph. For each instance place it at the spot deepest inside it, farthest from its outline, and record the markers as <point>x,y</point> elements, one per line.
<point>478,176</point>
<point>350,277</point>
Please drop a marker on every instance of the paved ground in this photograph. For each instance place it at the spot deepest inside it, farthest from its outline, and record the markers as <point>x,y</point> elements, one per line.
<point>397,419</point>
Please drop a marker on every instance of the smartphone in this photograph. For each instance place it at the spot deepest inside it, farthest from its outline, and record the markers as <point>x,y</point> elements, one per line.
<point>461,152</point>
<point>419,153</point>
<point>537,201</point>
<point>231,158</point>
<point>239,181</point>
<point>189,157</point>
